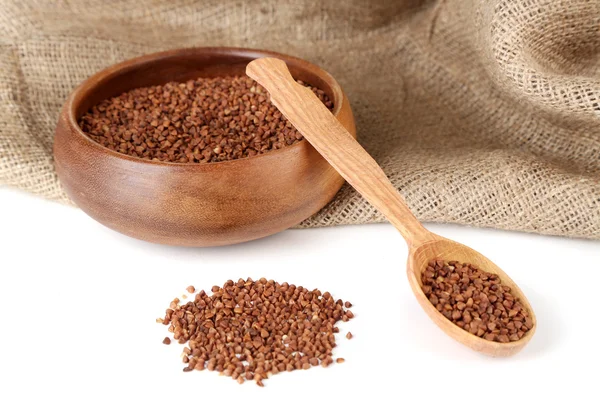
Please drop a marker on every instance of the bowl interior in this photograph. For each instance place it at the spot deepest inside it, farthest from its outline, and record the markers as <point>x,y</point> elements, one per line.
<point>185,64</point>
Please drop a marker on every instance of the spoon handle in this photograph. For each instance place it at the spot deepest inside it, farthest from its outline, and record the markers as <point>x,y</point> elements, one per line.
<point>329,137</point>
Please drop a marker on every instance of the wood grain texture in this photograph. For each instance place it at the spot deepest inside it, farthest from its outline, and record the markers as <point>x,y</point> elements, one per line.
<point>193,204</point>
<point>338,146</point>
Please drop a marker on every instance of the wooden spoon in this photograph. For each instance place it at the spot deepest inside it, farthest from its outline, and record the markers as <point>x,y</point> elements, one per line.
<point>316,123</point>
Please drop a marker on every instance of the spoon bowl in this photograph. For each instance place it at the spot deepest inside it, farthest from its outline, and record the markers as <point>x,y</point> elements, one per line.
<point>442,248</point>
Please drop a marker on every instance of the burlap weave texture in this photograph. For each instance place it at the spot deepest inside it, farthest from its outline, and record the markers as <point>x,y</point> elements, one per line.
<point>484,113</point>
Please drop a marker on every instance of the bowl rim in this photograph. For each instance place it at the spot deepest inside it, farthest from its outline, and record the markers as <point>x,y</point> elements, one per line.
<point>101,76</point>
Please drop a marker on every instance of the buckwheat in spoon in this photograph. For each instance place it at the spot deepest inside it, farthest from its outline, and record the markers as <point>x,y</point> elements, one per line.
<point>471,299</point>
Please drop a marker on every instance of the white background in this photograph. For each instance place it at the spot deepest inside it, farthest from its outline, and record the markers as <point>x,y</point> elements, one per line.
<point>79,304</point>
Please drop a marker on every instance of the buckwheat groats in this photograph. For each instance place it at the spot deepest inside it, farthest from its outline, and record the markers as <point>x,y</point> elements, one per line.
<point>199,121</point>
<point>251,330</point>
<point>475,300</point>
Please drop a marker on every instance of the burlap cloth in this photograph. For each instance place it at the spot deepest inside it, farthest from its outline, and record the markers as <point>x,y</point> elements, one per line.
<point>484,113</point>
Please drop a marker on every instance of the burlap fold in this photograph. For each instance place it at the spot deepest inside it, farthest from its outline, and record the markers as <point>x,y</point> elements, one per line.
<point>481,112</point>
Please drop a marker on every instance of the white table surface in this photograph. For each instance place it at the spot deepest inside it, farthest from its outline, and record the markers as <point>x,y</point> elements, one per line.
<point>79,302</point>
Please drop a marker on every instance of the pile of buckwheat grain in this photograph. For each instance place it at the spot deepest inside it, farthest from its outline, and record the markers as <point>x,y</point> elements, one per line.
<point>475,300</point>
<point>199,121</point>
<point>251,330</point>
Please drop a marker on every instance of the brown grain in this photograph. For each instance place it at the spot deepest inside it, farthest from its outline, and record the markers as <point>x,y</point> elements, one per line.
<point>198,121</point>
<point>252,330</point>
<point>475,300</point>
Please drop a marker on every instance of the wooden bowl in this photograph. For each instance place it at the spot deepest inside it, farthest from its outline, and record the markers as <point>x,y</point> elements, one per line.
<point>210,204</point>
